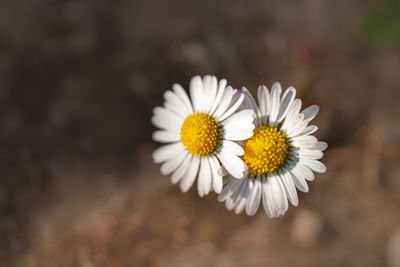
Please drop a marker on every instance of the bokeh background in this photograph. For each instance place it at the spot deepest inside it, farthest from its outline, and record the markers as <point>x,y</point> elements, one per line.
<point>78,81</point>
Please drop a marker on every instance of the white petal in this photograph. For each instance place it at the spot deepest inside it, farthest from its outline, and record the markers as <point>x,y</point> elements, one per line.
<point>299,179</point>
<point>232,201</point>
<point>213,89</point>
<point>314,165</point>
<point>172,164</point>
<point>204,180</point>
<point>294,108</point>
<point>277,196</point>
<point>274,106</point>
<point>286,101</point>
<point>229,188</point>
<point>208,182</point>
<point>205,101</point>
<point>166,136</point>
<point>210,85</point>
<point>320,146</point>
<point>296,127</point>
<point>239,190</point>
<point>284,204</point>
<point>268,208</point>
<point>310,112</point>
<point>250,103</point>
<point>224,103</point>
<point>254,198</point>
<point>240,120</point>
<point>222,171</point>
<point>216,178</point>
<point>233,147</point>
<point>196,93</point>
<point>290,188</point>
<point>307,174</point>
<point>292,112</point>
<point>306,141</point>
<point>309,154</point>
<point>174,102</point>
<point>190,175</point>
<point>243,196</point>
<point>307,131</point>
<point>238,135</point>
<point>263,102</point>
<point>237,200</point>
<point>166,119</point>
<point>238,99</point>
<point>232,163</point>
<point>230,204</point>
<point>183,96</point>
<point>182,169</point>
<point>206,95</point>
<point>167,152</point>
<point>218,97</point>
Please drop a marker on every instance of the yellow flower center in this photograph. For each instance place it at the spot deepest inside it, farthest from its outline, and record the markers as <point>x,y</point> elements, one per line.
<point>266,150</point>
<point>200,134</point>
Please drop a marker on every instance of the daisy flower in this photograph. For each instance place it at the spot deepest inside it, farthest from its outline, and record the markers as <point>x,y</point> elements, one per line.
<point>280,157</point>
<point>201,132</point>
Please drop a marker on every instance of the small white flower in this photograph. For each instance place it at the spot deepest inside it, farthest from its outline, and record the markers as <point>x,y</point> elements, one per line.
<point>201,132</point>
<point>281,155</point>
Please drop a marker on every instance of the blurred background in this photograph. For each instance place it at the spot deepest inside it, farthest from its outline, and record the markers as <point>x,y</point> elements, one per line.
<point>78,81</point>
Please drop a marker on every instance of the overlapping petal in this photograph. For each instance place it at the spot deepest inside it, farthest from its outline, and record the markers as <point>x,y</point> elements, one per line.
<point>278,188</point>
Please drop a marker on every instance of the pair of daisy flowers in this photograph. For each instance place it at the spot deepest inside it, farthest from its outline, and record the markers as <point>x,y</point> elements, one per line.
<point>265,151</point>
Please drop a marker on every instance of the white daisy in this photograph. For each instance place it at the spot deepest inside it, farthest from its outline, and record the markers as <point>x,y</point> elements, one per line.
<point>202,132</point>
<point>281,155</point>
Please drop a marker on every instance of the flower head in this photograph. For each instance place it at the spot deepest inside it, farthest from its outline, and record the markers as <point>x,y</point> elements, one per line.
<point>201,132</point>
<point>280,157</point>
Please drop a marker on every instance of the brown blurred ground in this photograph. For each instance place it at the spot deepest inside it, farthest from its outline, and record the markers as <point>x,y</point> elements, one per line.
<point>78,80</point>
